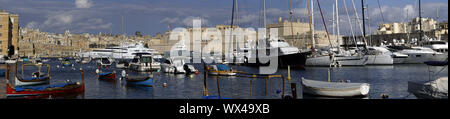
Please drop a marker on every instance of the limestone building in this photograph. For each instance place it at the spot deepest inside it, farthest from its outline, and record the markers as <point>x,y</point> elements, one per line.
<point>9,33</point>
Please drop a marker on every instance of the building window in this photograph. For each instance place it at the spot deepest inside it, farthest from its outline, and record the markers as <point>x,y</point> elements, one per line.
<point>1,26</point>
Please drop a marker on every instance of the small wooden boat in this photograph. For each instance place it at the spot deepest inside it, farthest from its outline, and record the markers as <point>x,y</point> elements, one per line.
<point>66,88</point>
<point>66,62</point>
<point>139,81</point>
<point>109,76</point>
<point>220,70</point>
<point>335,89</point>
<point>437,89</point>
<point>44,90</point>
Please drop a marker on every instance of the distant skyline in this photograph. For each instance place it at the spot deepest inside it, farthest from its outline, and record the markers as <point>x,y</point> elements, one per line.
<point>153,16</point>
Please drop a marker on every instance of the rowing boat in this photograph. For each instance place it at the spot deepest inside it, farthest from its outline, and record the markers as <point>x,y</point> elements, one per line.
<point>139,81</point>
<point>335,89</point>
<point>220,70</point>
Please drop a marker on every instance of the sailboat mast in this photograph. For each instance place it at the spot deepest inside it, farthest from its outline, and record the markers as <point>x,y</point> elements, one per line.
<point>310,27</point>
<point>420,21</point>
<point>312,24</point>
<point>337,25</point>
<point>264,14</point>
<point>291,14</point>
<point>363,18</point>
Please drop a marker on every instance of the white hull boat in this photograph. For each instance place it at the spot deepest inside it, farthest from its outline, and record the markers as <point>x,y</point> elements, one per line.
<point>335,89</point>
<point>379,56</point>
<point>437,89</point>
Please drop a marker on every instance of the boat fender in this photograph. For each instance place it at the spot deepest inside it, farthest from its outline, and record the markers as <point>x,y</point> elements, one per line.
<point>124,73</point>
<point>165,85</point>
<point>97,71</point>
<point>57,66</point>
<point>191,76</point>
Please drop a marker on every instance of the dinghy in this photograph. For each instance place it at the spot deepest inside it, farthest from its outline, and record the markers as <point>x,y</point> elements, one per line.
<point>109,76</point>
<point>66,62</point>
<point>220,70</point>
<point>139,81</point>
<point>437,89</point>
<point>335,89</point>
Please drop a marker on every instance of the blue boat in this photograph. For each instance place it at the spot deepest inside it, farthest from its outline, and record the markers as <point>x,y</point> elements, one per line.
<point>140,81</point>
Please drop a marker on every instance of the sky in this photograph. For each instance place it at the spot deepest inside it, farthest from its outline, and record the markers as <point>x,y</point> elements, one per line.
<point>154,16</point>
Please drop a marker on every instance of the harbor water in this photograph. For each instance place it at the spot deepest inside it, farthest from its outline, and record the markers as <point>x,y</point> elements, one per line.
<point>388,80</point>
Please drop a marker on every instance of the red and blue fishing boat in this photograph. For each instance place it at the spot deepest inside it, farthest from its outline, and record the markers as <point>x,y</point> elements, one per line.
<point>108,76</point>
<point>66,88</point>
<point>139,81</point>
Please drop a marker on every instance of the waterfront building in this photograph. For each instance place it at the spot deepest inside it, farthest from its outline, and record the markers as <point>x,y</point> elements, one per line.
<point>9,33</point>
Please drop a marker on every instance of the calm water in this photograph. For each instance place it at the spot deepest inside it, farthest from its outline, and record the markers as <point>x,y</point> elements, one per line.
<point>390,80</point>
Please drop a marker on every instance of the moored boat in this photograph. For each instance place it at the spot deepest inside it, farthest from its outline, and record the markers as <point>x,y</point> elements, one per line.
<point>437,89</point>
<point>220,70</point>
<point>66,62</point>
<point>139,81</point>
<point>66,88</point>
<point>108,76</point>
<point>335,89</point>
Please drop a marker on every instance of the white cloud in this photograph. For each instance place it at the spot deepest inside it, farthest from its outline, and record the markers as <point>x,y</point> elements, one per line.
<point>186,22</point>
<point>83,3</point>
<point>170,20</point>
<point>32,25</point>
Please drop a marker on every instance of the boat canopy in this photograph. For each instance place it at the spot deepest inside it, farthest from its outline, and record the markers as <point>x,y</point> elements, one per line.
<point>222,67</point>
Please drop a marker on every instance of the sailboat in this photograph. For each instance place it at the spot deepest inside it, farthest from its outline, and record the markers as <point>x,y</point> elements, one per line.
<point>335,56</point>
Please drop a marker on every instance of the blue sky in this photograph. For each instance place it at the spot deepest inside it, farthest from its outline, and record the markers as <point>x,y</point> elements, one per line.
<point>153,16</point>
